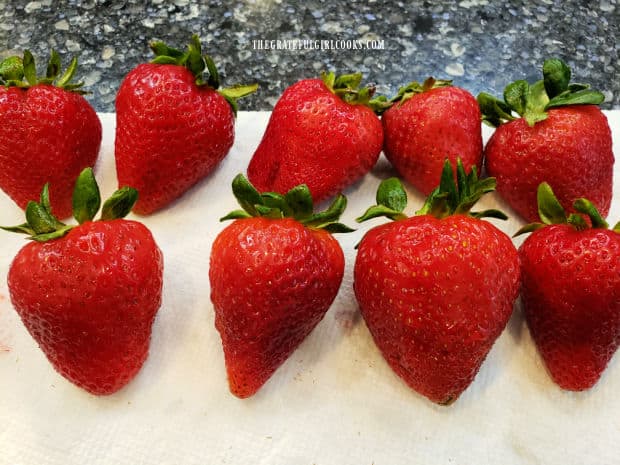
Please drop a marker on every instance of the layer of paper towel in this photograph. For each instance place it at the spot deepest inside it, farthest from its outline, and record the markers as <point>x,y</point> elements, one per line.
<point>335,401</point>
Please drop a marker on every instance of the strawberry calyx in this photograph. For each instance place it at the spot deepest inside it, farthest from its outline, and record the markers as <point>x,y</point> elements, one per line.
<point>296,203</point>
<point>41,225</point>
<point>347,87</point>
<point>551,212</point>
<point>532,101</point>
<point>414,88</point>
<point>449,198</point>
<point>21,72</point>
<point>194,60</point>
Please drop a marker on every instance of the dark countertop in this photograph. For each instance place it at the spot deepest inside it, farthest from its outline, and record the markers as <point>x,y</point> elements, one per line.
<point>480,44</point>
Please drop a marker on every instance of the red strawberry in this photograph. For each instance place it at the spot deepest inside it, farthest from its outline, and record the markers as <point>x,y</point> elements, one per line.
<point>571,290</point>
<point>274,273</point>
<point>561,138</point>
<point>172,126</point>
<point>88,294</point>
<point>428,123</point>
<point>48,132</point>
<point>322,133</point>
<point>431,289</point>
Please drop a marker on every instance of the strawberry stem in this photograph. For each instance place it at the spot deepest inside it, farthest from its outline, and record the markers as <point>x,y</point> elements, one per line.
<point>42,226</point>
<point>296,203</point>
<point>532,101</point>
<point>449,198</point>
<point>414,87</point>
<point>458,198</point>
<point>13,71</point>
<point>551,212</point>
<point>194,60</point>
<point>347,87</point>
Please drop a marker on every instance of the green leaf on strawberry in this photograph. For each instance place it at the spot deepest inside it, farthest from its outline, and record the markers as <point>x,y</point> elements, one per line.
<point>197,62</point>
<point>296,203</point>
<point>414,87</point>
<point>449,198</point>
<point>556,75</point>
<point>515,95</point>
<point>30,70</point>
<point>86,197</point>
<point>391,201</point>
<point>14,69</point>
<point>53,66</point>
<point>494,111</point>
<point>531,101</point>
<point>347,87</point>
<point>42,226</point>
<point>551,212</point>
<point>119,204</point>
<point>65,80</point>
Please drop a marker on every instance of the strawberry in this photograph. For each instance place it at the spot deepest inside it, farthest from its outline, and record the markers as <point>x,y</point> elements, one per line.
<point>561,138</point>
<point>430,287</point>
<point>274,273</point>
<point>173,126</point>
<point>323,133</point>
<point>428,123</point>
<point>571,290</point>
<point>88,294</point>
<point>48,131</point>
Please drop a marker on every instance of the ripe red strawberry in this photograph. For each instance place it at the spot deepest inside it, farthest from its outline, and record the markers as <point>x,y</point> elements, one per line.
<point>88,294</point>
<point>48,132</point>
<point>274,273</point>
<point>571,290</point>
<point>428,123</point>
<point>431,289</point>
<point>561,138</point>
<point>173,127</point>
<point>323,133</point>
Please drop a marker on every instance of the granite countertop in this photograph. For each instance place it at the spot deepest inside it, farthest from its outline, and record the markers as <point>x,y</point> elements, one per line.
<point>480,44</point>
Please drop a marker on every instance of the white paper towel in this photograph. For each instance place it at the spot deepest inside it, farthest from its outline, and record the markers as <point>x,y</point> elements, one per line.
<point>335,401</point>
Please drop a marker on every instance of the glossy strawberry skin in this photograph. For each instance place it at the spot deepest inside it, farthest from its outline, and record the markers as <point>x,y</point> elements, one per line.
<point>435,297</point>
<point>89,300</point>
<point>315,138</point>
<point>47,134</point>
<point>272,281</point>
<point>170,133</point>
<point>571,299</point>
<point>429,127</point>
<point>571,150</point>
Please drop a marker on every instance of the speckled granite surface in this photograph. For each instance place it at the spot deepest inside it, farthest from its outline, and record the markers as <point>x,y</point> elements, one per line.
<point>481,44</point>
